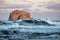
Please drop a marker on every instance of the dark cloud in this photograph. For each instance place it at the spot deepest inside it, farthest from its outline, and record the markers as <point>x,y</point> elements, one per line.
<point>53,6</point>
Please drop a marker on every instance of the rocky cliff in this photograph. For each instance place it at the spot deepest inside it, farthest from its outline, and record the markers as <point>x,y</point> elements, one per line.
<point>19,14</point>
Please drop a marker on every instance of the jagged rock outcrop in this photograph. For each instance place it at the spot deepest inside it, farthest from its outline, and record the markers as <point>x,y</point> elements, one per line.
<point>19,14</point>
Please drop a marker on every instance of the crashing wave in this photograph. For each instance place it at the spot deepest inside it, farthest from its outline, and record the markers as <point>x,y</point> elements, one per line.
<point>26,22</point>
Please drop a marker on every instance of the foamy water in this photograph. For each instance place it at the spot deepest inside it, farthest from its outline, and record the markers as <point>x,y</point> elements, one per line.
<point>26,31</point>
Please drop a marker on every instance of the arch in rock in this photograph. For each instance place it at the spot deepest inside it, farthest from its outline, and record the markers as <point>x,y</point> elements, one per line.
<point>19,14</point>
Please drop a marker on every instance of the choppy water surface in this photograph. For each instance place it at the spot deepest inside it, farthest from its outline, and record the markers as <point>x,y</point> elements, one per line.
<point>17,31</point>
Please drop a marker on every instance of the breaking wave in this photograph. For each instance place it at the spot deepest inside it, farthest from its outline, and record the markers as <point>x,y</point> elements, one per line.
<point>29,30</point>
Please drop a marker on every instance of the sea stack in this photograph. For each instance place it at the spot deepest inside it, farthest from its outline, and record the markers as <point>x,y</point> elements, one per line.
<point>19,14</point>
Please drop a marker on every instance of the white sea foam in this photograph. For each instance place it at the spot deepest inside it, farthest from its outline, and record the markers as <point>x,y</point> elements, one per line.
<point>32,28</point>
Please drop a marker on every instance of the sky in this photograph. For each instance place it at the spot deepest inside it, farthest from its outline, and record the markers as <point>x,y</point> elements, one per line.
<point>39,9</point>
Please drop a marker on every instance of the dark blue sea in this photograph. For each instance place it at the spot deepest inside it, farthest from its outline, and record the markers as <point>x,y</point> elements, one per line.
<point>18,30</point>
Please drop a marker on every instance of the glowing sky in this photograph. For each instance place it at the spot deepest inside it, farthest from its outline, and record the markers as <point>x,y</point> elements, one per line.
<point>45,8</point>
<point>34,3</point>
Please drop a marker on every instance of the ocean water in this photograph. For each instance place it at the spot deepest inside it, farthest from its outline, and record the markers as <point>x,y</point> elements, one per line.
<point>19,30</point>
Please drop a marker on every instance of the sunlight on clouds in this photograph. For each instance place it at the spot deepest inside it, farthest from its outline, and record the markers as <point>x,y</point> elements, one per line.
<point>41,9</point>
<point>37,1</point>
<point>35,4</point>
<point>17,2</point>
<point>39,5</point>
<point>29,1</point>
<point>13,1</point>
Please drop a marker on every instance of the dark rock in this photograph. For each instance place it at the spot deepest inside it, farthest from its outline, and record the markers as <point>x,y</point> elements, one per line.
<point>2,23</point>
<point>36,22</point>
